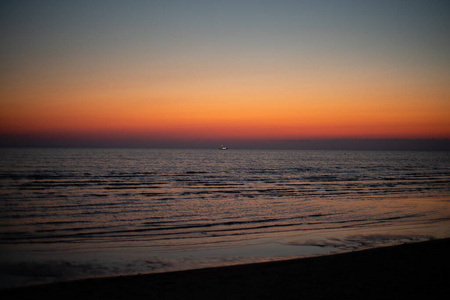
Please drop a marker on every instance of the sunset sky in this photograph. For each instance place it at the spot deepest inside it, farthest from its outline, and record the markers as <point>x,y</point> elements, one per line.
<point>151,71</point>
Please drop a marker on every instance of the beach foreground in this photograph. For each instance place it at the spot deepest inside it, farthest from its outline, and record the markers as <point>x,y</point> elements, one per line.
<point>409,270</point>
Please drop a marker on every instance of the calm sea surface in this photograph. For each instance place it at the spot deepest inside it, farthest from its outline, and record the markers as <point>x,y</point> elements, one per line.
<point>75,213</point>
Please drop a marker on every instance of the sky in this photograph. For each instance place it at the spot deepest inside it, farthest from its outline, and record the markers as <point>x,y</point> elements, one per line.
<point>186,72</point>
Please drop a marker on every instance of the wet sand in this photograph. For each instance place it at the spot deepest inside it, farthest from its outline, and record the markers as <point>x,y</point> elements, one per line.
<point>407,271</point>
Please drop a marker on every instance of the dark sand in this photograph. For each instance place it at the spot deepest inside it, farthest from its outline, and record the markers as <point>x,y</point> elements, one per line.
<point>419,270</point>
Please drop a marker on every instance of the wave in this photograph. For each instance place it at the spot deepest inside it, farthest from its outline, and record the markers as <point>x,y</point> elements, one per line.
<point>166,230</point>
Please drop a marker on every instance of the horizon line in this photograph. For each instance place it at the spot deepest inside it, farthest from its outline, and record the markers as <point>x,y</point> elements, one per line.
<point>382,144</point>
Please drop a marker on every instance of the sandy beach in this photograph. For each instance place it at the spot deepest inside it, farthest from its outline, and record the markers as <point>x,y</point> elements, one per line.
<point>408,270</point>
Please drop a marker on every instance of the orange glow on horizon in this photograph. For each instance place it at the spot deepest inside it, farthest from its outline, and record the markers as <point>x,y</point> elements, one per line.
<point>278,111</point>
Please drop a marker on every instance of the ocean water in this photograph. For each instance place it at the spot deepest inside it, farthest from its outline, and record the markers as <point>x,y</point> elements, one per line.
<point>77,213</point>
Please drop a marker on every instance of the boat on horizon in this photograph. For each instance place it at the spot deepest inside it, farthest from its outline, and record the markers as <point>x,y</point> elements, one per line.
<point>223,148</point>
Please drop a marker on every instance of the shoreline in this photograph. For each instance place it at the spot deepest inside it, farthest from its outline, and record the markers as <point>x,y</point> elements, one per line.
<point>402,271</point>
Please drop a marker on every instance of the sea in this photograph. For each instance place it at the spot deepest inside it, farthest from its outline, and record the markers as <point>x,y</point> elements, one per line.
<point>69,213</point>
